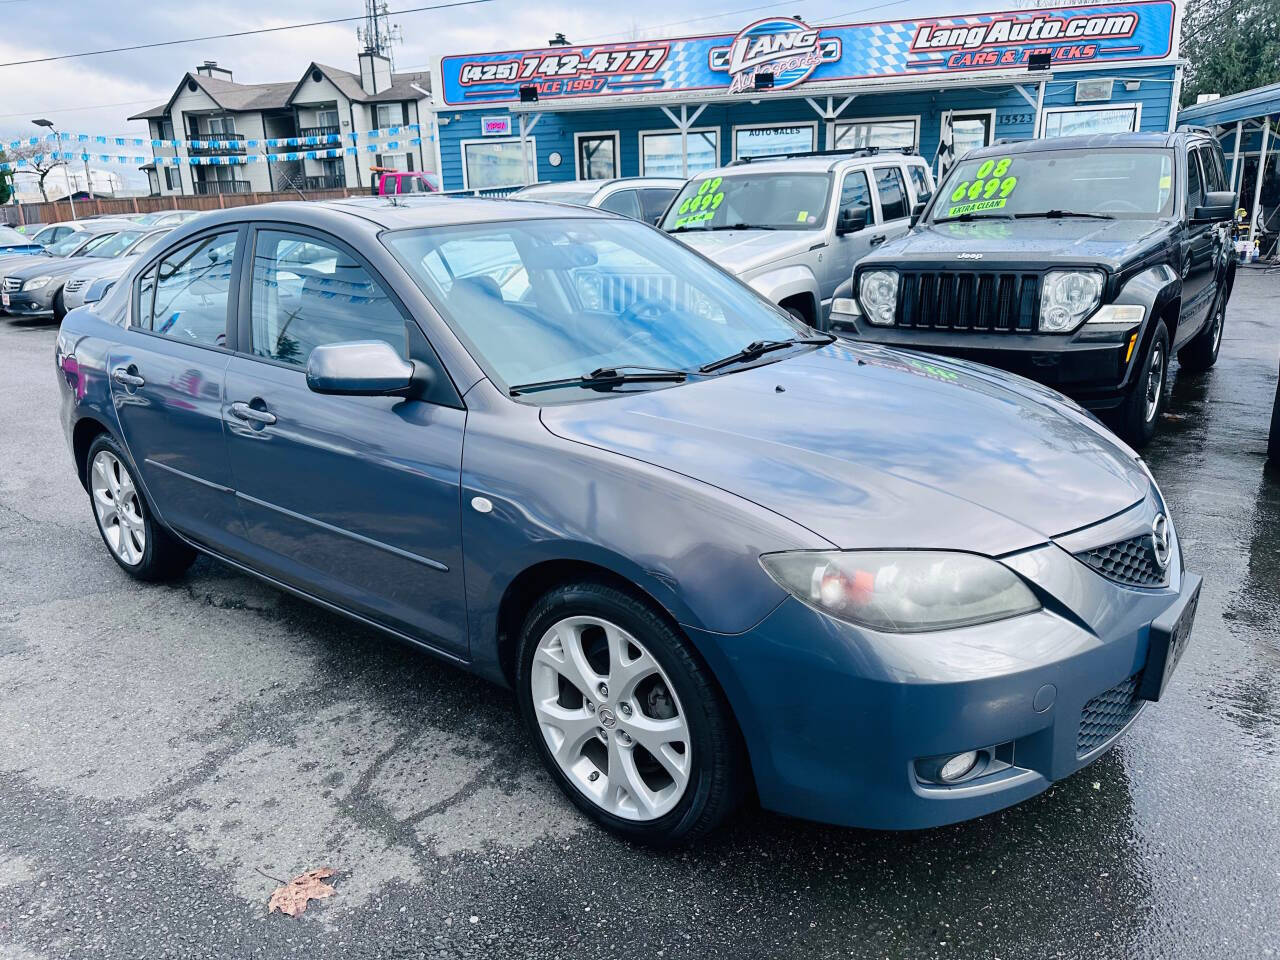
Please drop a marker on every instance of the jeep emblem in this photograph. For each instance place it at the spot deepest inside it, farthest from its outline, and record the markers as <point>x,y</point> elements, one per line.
<point>968,256</point>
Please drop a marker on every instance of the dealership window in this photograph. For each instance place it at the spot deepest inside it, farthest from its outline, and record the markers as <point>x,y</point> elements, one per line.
<point>774,139</point>
<point>970,131</point>
<point>495,163</point>
<point>660,153</point>
<point>597,155</point>
<point>1078,121</point>
<point>886,133</point>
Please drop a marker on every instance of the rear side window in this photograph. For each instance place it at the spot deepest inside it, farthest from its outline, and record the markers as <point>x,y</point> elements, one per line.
<point>1195,184</point>
<point>624,202</point>
<point>893,193</point>
<point>308,292</point>
<point>919,181</point>
<point>191,286</point>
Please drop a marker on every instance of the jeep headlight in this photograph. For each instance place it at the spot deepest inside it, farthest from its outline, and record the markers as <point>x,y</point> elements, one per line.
<point>1067,297</point>
<point>906,591</point>
<point>35,283</point>
<point>878,296</point>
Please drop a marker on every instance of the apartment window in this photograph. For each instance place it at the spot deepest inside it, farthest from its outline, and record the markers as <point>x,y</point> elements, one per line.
<point>391,115</point>
<point>660,153</point>
<point>166,130</point>
<point>394,161</point>
<point>222,125</point>
<point>495,163</point>
<point>326,118</point>
<point>1073,121</point>
<point>887,133</point>
<point>771,140</point>
<point>172,178</point>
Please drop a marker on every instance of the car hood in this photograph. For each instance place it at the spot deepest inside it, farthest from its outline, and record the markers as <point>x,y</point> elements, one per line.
<point>15,261</point>
<point>47,266</point>
<point>874,447</point>
<point>741,251</point>
<point>1065,240</point>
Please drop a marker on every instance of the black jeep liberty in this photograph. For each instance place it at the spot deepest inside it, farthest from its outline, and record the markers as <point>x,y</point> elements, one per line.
<point>1081,262</point>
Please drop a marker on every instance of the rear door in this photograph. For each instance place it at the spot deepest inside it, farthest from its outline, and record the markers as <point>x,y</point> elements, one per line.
<point>352,499</point>
<point>895,205</point>
<point>166,382</point>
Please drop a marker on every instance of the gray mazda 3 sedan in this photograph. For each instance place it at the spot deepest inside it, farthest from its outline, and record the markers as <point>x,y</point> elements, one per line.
<point>710,550</point>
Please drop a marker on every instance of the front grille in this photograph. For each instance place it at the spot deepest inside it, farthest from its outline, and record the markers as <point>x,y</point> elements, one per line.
<point>968,301</point>
<point>74,286</point>
<point>1131,562</point>
<point>1107,714</point>
<point>11,285</point>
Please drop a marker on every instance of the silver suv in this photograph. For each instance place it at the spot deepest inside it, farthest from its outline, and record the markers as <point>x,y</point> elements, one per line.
<point>793,226</point>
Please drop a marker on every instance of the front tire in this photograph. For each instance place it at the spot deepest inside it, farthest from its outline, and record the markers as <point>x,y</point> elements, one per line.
<point>628,720</point>
<point>142,548</point>
<point>59,307</point>
<point>1202,352</point>
<point>1273,445</point>
<point>1140,412</point>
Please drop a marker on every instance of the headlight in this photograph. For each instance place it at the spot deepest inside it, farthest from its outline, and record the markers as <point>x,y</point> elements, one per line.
<point>1067,297</point>
<point>878,294</point>
<point>35,283</point>
<point>902,591</point>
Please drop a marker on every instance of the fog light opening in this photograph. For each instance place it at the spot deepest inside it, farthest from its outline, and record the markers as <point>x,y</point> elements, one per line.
<point>958,767</point>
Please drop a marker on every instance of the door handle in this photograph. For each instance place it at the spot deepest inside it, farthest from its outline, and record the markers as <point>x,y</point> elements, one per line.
<point>127,377</point>
<point>877,240</point>
<point>252,414</point>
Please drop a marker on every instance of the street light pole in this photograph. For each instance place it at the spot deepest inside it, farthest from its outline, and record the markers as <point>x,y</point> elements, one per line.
<point>66,169</point>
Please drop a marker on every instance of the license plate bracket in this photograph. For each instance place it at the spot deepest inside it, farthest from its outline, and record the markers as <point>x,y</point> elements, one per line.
<point>1169,635</point>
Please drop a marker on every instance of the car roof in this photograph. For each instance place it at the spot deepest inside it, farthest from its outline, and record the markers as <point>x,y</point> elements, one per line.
<point>1097,141</point>
<point>820,162</point>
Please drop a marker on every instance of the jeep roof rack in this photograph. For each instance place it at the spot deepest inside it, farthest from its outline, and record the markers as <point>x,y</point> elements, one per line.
<point>849,153</point>
<point>1193,128</point>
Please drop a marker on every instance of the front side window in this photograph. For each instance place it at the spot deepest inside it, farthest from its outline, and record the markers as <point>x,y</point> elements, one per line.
<point>854,192</point>
<point>660,154</point>
<point>654,202</point>
<point>147,242</point>
<point>1195,184</point>
<point>1215,177</point>
<point>762,201</point>
<point>1126,184</point>
<point>893,193</point>
<point>885,134</point>
<point>1082,122</point>
<point>774,141</point>
<point>919,181</point>
<point>624,202</point>
<point>308,292</point>
<point>496,163</point>
<point>91,247</point>
<point>47,235</point>
<point>538,300</point>
<point>191,287</point>
<point>66,246</point>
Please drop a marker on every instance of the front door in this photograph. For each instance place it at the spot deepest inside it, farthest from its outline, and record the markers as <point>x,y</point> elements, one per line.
<point>166,381</point>
<point>1199,256</point>
<point>847,250</point>
<point>352,499</point>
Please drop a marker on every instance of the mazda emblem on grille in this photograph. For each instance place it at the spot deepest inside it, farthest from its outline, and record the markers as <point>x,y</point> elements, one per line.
<point>1160,541</point>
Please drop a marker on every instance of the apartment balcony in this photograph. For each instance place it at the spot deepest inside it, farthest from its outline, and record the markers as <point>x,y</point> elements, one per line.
<point>236,139</point>
<point>211,187</point>
<point>328,181</point>
<point>318,131</point>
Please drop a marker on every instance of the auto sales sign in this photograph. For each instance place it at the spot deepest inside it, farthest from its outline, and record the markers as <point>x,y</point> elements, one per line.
<point>799,55</point>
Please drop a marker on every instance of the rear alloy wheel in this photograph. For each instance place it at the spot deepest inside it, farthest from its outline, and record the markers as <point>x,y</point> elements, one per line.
<point>142,547</point>
<point>1141,410</point>
<point>1202,352</point>
<point>628,720</point>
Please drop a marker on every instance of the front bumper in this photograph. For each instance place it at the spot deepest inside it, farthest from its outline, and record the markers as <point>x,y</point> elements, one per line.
<point>1093,367</point>
<point>836,717</point>
<point>37,303</point>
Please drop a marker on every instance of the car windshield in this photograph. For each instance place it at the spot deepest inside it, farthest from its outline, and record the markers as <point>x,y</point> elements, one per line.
<point>147,242</point>
<point>1125,184</point>
<point>65,246</point>
<point>115,244</point>
<point>539,300</point>
<point>761,201</point>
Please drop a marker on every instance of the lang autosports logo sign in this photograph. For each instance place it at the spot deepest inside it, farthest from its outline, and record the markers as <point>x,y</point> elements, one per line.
<point>788,49</point>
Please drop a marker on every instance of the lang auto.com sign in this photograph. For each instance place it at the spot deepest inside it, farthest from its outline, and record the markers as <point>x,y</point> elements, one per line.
<point>795,53</point>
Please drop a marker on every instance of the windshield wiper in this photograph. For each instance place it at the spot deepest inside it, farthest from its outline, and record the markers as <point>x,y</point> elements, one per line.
<point>1057,214</point>
<point>758,348</point>
<point>966,217</point>
<point>605,378</point>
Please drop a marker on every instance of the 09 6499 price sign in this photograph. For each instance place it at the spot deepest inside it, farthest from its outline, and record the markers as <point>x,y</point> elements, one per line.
<point>564,65</point>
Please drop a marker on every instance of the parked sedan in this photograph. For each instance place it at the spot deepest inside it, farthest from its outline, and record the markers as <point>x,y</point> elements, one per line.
<point>88,284</point>
<point>34,288</point>
<point>706,546</point>
<point>640,198</point>
<point>13,243</point>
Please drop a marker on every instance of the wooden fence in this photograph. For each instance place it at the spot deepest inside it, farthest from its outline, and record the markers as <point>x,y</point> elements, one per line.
<point>24,213</point>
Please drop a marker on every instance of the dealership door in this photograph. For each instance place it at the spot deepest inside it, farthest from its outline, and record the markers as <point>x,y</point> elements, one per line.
<point>597,156</point>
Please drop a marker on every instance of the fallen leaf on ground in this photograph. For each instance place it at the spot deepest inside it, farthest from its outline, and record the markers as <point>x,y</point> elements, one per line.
<point>292,898</point>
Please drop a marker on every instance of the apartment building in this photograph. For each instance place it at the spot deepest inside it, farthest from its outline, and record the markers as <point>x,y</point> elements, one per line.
<point>209,105</point>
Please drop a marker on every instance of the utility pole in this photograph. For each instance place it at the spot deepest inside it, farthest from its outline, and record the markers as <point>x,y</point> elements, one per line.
<point>57,139</point>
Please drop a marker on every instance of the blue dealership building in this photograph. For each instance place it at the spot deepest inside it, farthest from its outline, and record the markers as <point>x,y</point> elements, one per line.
<point>676,106</point>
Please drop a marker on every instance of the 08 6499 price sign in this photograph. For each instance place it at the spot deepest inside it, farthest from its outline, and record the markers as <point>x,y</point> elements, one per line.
<point>561,66</point>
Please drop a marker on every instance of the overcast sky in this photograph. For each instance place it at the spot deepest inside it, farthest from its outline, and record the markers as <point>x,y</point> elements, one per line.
<point>95,94</point>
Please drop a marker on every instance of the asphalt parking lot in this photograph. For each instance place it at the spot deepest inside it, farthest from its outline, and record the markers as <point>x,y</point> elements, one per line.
<point>165,752</point>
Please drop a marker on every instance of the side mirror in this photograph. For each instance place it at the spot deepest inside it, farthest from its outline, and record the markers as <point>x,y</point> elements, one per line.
<point>364,368</point>
<point>918,211</point>
<point>1218,205</point>
<point>851,220</point>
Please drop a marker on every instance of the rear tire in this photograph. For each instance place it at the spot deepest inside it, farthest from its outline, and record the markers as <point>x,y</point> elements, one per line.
<point>1140,412</point>
<point>1202,352</point>
<point>664,729</point>
<point>1273,445</point>
<point>143,549</point>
